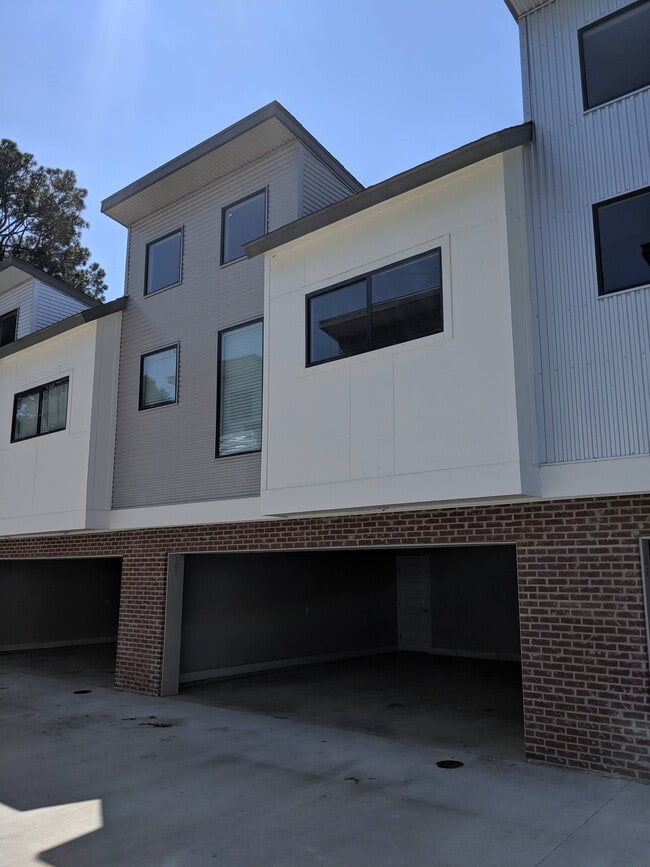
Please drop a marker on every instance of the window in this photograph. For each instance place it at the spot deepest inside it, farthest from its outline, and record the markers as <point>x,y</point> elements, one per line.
<point>240,390</point>
<point>240,223</point>
<point>622,230</point>
<point>389,306</point>
<point>615,54</point>
<point>159,377</point>
<point>40,411</point>
<point>164,262</point>
<point>8,325</point>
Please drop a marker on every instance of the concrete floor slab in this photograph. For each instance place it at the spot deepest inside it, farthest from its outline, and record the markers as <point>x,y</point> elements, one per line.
<point>465,704</point>
<point>107,778</point>
<point>92,663</point>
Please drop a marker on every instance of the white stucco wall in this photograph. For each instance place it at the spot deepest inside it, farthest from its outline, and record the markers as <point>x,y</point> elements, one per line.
<point>52,482</point>
<point>443,418</point>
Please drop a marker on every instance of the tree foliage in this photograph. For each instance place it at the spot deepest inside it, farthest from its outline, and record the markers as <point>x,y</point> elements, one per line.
<point>41,222</point>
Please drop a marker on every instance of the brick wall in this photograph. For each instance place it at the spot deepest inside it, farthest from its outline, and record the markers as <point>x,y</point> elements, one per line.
<point>585,670</point>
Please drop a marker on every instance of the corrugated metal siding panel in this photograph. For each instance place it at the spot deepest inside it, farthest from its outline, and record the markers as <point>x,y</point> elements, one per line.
<point>19,298</point>
<point>166,455</point>
<point>320,186</point>
<point>51,306</point>
<point>593,353</point>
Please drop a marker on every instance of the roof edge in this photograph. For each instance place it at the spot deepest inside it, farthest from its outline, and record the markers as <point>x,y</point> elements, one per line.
<point>439,167</point>
<point>512,6</point>
<point>63,325</point>
<point>54,282</point>
<point>272,110</point>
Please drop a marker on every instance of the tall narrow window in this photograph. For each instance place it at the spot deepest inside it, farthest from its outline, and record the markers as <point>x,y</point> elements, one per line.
<point>158,377</point>
<point>8,326</point>
<point>164,262</point>
<point>242,222</point>
<point>40,410</point>
<point>240,390</point>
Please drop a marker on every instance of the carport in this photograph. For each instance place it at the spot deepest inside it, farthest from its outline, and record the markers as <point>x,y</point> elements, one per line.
<point>59,616</point>
<point>418,644</point>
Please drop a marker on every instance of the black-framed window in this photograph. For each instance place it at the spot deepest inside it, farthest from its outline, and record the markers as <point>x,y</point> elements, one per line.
<point>615,54</point>
<point>239,402</point>
<point>241,222</point>
<point>622,231</point>
<point>164,265</point>
<point>159,377</point>
<point>392,305</point>
<point>40,410</point>
<point>8,327</point>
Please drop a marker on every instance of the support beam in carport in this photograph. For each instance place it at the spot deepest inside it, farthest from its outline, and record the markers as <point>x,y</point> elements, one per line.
<point>173,625</point>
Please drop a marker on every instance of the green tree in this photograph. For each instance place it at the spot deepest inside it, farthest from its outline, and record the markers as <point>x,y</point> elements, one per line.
<point>41,222</point>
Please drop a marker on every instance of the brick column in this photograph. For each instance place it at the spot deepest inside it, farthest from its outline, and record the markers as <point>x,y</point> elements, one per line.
<point>142,617</point>
<point>585,673</point>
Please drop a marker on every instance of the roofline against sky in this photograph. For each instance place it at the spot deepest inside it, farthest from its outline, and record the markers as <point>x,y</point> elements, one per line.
<point>54,282</point>
<point>439,167</point>
<point>271,110</point>
<point>536,4</point>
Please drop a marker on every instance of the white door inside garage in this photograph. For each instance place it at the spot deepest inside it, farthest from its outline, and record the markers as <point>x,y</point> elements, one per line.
<point>414,602</point>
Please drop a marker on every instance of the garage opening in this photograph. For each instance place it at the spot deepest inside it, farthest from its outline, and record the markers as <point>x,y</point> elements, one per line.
<point>59,617</point>
<point>416,644</point>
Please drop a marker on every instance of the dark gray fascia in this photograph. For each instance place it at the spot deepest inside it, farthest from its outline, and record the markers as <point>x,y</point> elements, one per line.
<point>272,110</point>
<point>467,155</point>
<point>89,315</point>
<point>519,8</point>
<point>32,271</point>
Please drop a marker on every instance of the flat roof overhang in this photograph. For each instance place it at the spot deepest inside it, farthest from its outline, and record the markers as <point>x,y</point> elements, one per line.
<point>519,8</point>
<point>238,145</point>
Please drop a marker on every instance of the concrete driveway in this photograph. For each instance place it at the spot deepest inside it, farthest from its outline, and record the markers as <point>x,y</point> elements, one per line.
<point>104,778</point>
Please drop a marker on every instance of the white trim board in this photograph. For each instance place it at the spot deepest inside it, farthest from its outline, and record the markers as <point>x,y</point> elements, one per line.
<point>187,514</point>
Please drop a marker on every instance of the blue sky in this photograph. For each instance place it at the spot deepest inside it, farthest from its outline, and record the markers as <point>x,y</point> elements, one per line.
<point>114,88</point>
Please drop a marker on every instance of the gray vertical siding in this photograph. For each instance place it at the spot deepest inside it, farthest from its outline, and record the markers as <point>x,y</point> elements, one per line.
<point>50,306</point>
<point>167,454</point>
<point>19,298</point>
<point>320,186</point>
<point>593,354</point>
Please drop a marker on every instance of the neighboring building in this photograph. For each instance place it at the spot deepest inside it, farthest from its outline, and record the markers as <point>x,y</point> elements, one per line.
<point>447,372</point>
<point>31,300</point>
<point>58,386</point>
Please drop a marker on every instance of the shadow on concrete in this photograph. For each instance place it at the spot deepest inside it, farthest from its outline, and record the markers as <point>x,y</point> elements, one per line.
<point>417,698</point>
